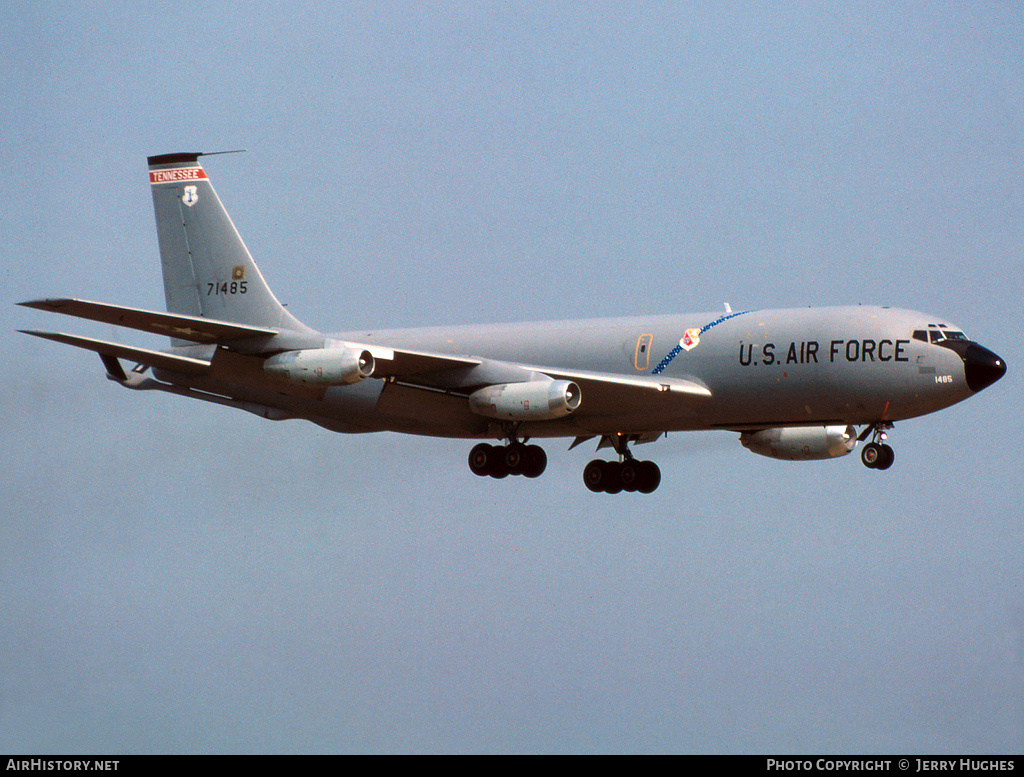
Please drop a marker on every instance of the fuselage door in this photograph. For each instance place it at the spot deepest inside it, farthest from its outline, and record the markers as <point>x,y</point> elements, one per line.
<point>642,360</point>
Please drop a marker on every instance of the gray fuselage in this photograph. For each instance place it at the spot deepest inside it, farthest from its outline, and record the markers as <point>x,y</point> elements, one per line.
<point>804,366</point>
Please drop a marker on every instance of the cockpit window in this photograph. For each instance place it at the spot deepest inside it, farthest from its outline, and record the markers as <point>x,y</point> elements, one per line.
<point>937,334</point>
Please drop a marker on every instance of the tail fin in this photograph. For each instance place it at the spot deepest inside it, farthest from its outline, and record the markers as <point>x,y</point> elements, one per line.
<point>207,269</point>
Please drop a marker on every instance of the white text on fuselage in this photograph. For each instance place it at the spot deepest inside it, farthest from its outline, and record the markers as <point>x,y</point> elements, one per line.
<point>810,352</point>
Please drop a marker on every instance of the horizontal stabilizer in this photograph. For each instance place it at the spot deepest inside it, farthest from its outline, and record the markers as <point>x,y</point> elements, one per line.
<point>195,329</point>
<point>162,361</point>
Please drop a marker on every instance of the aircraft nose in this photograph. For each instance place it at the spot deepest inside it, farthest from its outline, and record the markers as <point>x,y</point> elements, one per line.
<point>982,367</point>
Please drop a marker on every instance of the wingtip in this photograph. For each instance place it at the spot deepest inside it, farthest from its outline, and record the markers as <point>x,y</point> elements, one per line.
<point>50,303</point>
<point>40,333</point>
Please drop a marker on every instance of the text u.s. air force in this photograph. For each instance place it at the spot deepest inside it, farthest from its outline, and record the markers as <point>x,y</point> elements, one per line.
<point>811,352</point>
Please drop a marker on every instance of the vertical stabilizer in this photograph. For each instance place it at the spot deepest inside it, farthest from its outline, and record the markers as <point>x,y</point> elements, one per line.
<point>207,269</point>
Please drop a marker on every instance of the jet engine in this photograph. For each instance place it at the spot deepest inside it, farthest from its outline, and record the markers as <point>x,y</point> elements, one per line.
<point>533,400</point>
<point>322,366</point>
<point>801,443</point>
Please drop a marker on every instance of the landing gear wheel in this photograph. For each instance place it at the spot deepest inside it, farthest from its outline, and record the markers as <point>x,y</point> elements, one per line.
<point>612,477</point>
<point>515,458</point>
<point>629,475</point>
<point>877,456</point>
<point>871,456</point>
<point>497,468</point>
<point>650,477</point>
<point>536,461</point>
<point>593,475</point>
<point>887,458</point>
<point>480,458</point>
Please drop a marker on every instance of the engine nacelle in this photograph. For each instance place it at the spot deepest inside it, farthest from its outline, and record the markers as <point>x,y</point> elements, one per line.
<point>534,400</point>
<point>322,366</point>
<point>801,443</point>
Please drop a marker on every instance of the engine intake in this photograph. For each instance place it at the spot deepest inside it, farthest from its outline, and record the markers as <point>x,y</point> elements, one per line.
<point>322,366</point>
<point>534,400</point>
<point>801,443</point>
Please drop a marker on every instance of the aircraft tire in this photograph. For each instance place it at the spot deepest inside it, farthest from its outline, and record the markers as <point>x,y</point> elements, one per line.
<point>515,457</point>
<point>612,477</point>
<point>480,459</point>
<point>536,461</point>
<point>650,477</point>
<point>871,455</point>
<point>887,457</point>
<point>629,475</point>
<point>593,475</point>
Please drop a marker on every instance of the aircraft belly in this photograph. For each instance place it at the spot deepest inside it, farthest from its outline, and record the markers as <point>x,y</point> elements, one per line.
<point>418,411</point>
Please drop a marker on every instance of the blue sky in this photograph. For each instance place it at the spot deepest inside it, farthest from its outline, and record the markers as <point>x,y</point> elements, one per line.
<point>186,578</point>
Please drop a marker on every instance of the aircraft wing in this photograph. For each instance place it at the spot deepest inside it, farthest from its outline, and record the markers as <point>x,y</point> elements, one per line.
<point>158,359</point>
<point>609,394</point>
<point>602,393</point>
<point>609,386</point>
<point>192,328</point>
<point>417,367</point>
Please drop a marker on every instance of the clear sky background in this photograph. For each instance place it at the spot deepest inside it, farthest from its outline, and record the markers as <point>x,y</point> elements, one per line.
<point>181,577</point>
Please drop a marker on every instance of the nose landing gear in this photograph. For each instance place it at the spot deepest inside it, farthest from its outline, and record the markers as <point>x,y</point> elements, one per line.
<point>876,454</point>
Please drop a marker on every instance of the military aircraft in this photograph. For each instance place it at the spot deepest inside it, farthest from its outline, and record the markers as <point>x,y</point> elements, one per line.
<point>795,384</point>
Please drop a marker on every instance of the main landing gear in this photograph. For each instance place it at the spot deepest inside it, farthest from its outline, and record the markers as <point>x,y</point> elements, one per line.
<point>611,477</point>
<point>615,476</point>
<point>516,458</point>
<point>876,454</point>
<point>627,474</point>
